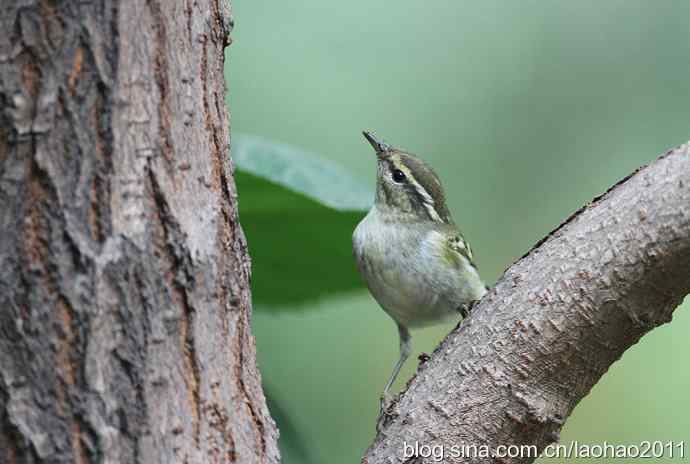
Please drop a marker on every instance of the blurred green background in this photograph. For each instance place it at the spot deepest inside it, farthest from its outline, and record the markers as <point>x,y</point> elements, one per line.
<point>527,109</point>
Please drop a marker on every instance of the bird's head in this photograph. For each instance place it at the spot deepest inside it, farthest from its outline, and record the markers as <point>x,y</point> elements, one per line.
<point>406,187</point>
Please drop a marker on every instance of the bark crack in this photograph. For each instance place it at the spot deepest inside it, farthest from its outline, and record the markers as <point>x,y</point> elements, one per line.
<point>66,365</point>
<point>257,421</point>
<point>178,275</point>
<point>161,68</point>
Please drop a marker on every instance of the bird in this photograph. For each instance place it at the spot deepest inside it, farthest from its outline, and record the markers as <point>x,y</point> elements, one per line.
<point>415,261</point>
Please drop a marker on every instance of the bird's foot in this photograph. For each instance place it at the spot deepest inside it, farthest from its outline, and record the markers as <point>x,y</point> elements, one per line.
<point>466,308</point>
<point>385,402</point>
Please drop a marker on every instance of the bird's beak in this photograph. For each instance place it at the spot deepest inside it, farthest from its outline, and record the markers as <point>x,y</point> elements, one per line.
<point>379,145</point>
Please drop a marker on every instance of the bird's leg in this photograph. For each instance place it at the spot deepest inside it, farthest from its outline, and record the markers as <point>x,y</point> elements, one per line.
<point>464,310</point>
<point>405,348</point>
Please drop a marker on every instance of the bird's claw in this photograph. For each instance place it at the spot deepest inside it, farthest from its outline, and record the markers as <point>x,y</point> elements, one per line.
<point>385,402</point>
<point>466,308</point>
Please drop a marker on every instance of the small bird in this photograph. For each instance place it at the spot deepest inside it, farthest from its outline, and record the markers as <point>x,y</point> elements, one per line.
<point>415,261</point>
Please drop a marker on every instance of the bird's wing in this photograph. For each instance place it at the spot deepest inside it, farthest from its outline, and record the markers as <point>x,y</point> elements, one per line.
<point>458,244</point>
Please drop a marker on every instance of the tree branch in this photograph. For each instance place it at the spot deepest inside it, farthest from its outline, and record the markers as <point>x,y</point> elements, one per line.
<point>554,323</point>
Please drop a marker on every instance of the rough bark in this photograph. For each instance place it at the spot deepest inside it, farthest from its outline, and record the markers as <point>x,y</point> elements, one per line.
<point>558,318</point>
<point>124,299</point>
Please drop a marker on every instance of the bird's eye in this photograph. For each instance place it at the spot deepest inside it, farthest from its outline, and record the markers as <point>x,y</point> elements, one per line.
<point>398,175</point>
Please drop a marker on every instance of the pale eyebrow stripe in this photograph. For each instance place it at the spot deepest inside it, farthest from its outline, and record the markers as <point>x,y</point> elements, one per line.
<point>427,200</point>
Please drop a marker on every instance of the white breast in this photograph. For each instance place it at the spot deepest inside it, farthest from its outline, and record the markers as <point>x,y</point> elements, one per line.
<point>395,261</point>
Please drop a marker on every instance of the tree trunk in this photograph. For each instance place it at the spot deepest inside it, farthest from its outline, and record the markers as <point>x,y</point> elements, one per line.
<point>124,299</point>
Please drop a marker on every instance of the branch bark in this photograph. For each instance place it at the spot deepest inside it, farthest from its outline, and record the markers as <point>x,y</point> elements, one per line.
<point>512,373</point>
<point>124,276</point>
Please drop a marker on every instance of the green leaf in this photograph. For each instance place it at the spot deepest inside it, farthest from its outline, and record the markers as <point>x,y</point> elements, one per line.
<point>315,177</point>
<point>298,212</point>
